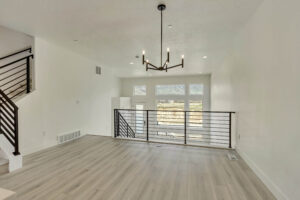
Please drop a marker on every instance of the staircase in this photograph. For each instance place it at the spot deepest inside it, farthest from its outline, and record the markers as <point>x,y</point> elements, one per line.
<point>15,82</point>
<point>122,128</point>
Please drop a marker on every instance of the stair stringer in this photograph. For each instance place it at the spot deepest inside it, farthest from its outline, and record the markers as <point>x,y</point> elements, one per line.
<point>14,162</point>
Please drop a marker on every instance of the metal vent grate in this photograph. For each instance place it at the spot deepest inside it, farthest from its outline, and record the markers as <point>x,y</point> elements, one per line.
<point>232,156</point>
<point>68,137</point>
<point>98,70</point>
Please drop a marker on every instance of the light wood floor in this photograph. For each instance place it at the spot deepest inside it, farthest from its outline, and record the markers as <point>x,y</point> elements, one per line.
<point>95,167</point>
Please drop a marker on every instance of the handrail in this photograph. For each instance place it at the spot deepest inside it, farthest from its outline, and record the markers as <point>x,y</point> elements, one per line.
<point>180,111</point>
<point>13,62</point>
<point>16,53</point>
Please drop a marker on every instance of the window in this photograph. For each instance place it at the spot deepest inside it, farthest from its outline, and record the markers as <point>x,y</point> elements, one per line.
<point>195,117</point>
<point>170,90</point>
<point>139,90</point>
<point>165,117</point>
<point>196,89</point>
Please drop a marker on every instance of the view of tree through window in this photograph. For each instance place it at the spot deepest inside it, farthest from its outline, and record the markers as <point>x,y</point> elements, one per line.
<point>165,117</point>
<point>139,90</point>
<point>196,89</point>
<point>170,90</point>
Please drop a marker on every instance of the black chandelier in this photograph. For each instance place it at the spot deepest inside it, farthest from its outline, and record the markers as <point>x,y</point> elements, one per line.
<point>163,67</point>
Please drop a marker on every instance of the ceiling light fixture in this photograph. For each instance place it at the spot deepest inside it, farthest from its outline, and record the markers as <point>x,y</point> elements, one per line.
<point>163,67</point>
<point>131,63</point>
<point>204,57</point>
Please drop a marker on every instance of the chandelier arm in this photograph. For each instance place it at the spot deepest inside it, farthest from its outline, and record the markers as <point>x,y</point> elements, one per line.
<point>152,65</point>
<point>175,66</point>
<point>153,69</point>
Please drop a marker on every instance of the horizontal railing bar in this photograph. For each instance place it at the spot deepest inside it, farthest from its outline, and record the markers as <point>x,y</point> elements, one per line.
<point>14,84</point>
<point>188,133</point>
<point>10,126</point>
<point>176,111</point>
<point>179,118</point>
<point>13,74</point>
<point>15,89</point>
<point>174,129</point>
<point>181,114</point>
<point>12,69</point>
<point>18,52</point>
<point>8,100</point>
<point>19,93</point>
<point>182,137</point>
<point>7,112</point>
<point>188,136</point>
<point>156,122</point>
<point>8,138</point>
<point>181,140</point>
<point>12,80</point>
<point>176,126</point>
<point>8,131</point>
<point>8,64</point>
<point>129,132</point>
<point>182,122</point>
<point>6,103</point>
<point>6,117</point>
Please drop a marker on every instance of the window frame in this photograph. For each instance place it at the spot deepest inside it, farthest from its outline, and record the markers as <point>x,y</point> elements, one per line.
<point>170,95</point>
<point>141,95</point>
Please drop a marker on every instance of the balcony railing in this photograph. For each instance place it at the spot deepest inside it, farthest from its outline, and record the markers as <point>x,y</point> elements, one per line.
<point>203,128</point>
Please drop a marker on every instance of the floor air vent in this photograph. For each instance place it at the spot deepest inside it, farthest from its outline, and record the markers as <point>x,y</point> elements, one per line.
<point>68,137</point>
<point>232,156</point>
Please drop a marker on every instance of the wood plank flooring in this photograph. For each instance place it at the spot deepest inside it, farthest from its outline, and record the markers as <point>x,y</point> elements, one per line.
<point>103,168</point>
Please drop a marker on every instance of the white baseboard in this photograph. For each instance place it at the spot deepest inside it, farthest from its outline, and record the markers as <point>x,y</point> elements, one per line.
<point>262,176</point>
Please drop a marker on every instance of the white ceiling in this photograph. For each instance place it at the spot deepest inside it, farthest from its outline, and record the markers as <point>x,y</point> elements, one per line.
<point>113,32</point>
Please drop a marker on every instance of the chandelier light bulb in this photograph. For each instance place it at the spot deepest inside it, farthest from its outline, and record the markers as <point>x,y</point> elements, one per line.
<point>182,56</point>
<point>147,61</point>
<point>143,52</point>
<point>168,49</point>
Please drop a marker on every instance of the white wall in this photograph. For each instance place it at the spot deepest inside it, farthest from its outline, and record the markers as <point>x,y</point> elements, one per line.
<point>127,85</point>
<point>261,79</point>
<point>69,96</point>
<point>12,41</point>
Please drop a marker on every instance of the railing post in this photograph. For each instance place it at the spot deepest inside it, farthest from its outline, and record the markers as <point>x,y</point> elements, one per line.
<point>185,127</point>
<point>16,127</point>
<point>127,130</point>
<point>28,75</point>
<point>115,124</point>
<point>118,122</point>
<point>0,116</point>
<point>147,124</point>
<point>230,115</point>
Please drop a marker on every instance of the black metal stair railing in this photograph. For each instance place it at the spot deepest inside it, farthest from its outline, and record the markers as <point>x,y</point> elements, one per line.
<point>124,129</point>
<point>202,128</point>
<point>15,75</point>
<point>15,81</point>
<point>9,121</point>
